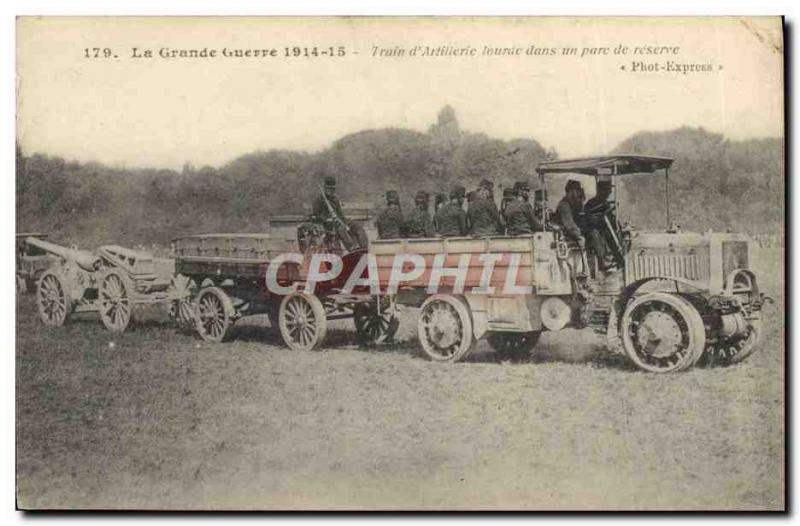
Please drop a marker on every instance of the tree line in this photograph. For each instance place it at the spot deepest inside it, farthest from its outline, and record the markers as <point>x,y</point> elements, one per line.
<point>716,183</point>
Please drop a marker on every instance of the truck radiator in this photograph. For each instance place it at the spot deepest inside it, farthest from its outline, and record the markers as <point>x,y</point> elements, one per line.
<point>686,266</point>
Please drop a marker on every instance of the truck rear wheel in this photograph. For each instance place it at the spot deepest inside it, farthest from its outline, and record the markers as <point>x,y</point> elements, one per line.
<point>514,345</point>
<point>662,333</point>
<point>445,328</point>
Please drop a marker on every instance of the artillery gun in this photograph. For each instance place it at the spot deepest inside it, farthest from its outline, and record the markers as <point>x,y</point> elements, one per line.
<point>110,281</point>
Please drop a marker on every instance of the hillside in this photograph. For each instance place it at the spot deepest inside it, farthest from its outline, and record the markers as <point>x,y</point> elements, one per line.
<point>716,183</point>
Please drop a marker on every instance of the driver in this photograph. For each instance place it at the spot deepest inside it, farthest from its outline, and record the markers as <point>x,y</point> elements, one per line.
<point>596,210</point>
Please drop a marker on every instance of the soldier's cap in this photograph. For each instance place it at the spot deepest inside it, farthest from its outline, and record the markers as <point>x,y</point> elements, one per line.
<point>422,195</point>
<point>485,183</point>
<point>509,192</point>
<point>330,181</point>
<point>458,191</point>
<point>573,184</point>
<point>521,185</point>
<point>440,197</point>
<point>392,197</point>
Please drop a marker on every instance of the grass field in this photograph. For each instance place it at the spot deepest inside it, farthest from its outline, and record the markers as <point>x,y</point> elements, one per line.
<point>157,419</point>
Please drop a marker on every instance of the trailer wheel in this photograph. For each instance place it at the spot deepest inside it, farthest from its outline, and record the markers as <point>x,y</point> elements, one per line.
<point>445,328</point>
<point>514,345</point>
<point>213,314</point>
<point>182,310</point>
<point>116,302</point>
<point>302,321</point>
<point>662,333</point>
<point>729,353</point>
<point>52,299</point>
<point>373,326</point>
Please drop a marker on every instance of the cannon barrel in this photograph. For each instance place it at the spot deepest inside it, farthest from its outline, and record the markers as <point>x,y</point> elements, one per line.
<point>85,260</point>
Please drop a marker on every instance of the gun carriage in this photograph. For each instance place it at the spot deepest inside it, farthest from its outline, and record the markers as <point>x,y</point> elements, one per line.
<point>111,281</point>
<point>676,298</point>
<point>227,274</point>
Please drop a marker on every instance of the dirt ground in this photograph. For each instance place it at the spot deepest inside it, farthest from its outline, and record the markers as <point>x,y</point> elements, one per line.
<point>156,419</point>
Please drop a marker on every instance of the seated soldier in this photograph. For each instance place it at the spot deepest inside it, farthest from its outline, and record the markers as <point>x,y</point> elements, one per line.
<point>568,210</point>
<point>450,219</point>
<point>327,211</point>
<point>482,216</point>
<point>390,222</point>
<point>519,214</point>
<point>418,222</point>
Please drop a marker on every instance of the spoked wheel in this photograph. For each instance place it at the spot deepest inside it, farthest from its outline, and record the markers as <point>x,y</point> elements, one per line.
<point>182,310</point>
<point>302,321</point>
<point>731,352</point>
<point>116,302</point>
<point>514,345</point>
<point>373,326</point>
<point>662,333</point>
<point>213,314</point>
<point>52,300</point>
<point>444,327</point>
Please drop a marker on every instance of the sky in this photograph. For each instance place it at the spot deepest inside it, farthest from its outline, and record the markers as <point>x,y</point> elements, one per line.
<point>162,112</point>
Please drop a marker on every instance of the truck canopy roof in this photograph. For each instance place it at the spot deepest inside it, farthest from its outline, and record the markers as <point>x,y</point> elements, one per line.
<point>607,165</point>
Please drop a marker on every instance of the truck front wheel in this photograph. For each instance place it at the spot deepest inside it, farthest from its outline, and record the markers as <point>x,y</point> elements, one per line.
<point>662,333</point>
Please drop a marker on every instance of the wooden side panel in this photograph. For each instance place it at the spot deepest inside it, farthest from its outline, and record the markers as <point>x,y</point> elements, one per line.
<point>507,250</point>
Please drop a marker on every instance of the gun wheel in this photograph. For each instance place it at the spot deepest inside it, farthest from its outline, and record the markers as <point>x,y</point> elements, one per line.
<point>444,328</point>
<point>732,352</point>
<point>514,345</point>
<point>52,300</point>
<point>662,333</point>
<point>213,314</point>
<point>116,302</point>
<point>373,326</point>
<point>302,321</point>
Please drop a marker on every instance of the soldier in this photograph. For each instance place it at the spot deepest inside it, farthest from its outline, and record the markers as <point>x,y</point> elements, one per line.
<point>390,222</point>
<point>418,222</point>
<point>519,215</point>
<point>450,219</point>
<point>327,211</point>
<point>568,210</point>
<point>483,216</point>
<point>596,210</point>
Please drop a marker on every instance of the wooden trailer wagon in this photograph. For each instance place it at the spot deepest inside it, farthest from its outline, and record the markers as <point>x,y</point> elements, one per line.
<point>228,273</point>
